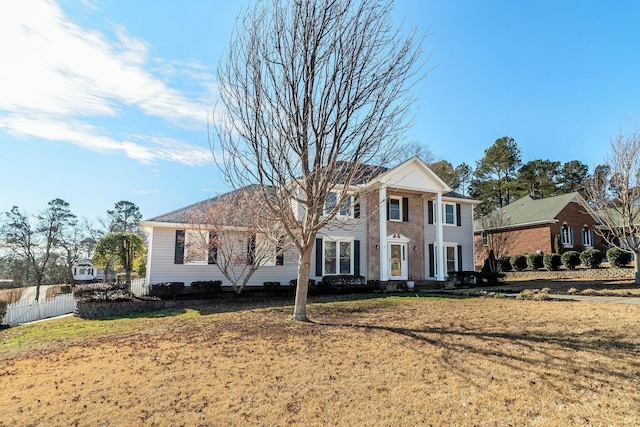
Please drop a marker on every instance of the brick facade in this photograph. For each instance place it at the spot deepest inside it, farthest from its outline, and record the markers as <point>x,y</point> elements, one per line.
<point>413,229</point>
<point>528,240</point>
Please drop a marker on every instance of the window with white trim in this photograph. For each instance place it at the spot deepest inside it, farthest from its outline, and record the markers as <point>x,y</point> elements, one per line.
<point>265,250</point>
<point>450,256</point>
<point>587,237</point>
<point>395,209</point>
<point>196,247</point>
<point>566,235</point>
<point>484,236</point>
<point>449,213</point>
<point>338,257</point>
<point>346,207</point>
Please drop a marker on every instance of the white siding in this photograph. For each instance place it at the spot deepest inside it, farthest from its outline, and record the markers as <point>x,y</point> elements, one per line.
<point>161,266</point>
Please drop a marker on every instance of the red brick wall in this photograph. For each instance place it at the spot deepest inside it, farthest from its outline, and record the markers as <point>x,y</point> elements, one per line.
<point>412,229</point>
<point>576,216</point>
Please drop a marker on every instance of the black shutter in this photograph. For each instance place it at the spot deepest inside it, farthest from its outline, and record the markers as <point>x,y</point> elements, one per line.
<point>430,211</point>
<point>405,209</point>
<point>356,209</point>
<point>356,256</point>
<point>387,209</point>
<point>280,251</point>
<point>459,258</point>
<point>458,215</point>
<point>319,257</point>
<point>432,270</point>
<point>179,248</point>
<point>213,249</point>
<point>251,249</point>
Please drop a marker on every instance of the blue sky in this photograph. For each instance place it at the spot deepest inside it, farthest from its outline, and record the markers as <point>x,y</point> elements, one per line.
<point>102,101</point>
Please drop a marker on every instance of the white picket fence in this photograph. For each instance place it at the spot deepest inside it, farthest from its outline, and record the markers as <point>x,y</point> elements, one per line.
<point>139,287</point>
<point>25,311</point>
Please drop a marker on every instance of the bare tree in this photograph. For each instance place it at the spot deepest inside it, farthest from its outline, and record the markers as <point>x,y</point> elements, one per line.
<point>36,243</point>
<point>497,237</point>
<point>614,193</point>
<point>312,91</point>
<point>236,239</point>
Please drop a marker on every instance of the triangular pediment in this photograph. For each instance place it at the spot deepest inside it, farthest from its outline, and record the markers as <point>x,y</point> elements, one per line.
<point>415,175</point>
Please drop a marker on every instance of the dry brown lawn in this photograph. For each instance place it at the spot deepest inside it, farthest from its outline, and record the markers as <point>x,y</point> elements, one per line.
<point>395,361</point>
<point>11,295</point>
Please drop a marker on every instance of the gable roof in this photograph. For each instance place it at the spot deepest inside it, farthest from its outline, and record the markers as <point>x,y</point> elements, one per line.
<point>195,212</point>
<point>534,210</point>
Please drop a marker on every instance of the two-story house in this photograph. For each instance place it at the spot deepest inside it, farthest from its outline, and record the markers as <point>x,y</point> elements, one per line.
<point>403,223</point>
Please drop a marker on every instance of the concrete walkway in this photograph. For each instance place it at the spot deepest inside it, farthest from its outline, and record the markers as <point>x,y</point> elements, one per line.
<point>596,298</point>
<point>620,300</point>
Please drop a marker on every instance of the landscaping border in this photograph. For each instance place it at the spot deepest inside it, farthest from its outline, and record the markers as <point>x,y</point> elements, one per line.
<point>578,273</point>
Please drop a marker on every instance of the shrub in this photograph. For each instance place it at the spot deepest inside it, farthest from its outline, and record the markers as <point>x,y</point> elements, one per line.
<point>519,262</point>
<point>557,244</point>
<point>3,309</point>
<point>95,292</point>
<point>341,280</point>
<point>207,288</point>
<point>294,282</point>
<point>271,287</point>
<point>504,263</point>
<point>534,295</point>
<point>570,259</point>
<point>552,261</point>
<point>535,261</point>
<point>618,258</point>
<point>166,290</point>
<point>591,258</point>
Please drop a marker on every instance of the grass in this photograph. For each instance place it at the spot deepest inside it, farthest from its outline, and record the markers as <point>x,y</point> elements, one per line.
<point>574,286</point>
<point>376,361</point>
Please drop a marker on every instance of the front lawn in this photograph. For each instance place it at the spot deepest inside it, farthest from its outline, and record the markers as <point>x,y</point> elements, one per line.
<point>368,362</point>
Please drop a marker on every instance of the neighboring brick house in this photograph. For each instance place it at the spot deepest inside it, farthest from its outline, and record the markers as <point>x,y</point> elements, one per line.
<point>401,224</point>
<point>530,224</point>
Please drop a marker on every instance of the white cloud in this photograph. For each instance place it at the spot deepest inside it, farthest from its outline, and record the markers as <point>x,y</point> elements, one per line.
<point>56,77</point>
<point>144,149</point>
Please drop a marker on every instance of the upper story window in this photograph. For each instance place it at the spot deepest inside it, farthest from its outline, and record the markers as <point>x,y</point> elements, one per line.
<point>449,213</point>
<point>395,209</point>
<point>346,207</point>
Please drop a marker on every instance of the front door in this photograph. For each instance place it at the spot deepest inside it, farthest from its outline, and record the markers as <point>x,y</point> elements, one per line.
<point>398,261</point>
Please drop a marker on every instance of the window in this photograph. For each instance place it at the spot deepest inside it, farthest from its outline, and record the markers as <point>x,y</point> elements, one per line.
<point>450,257</point>
<point>566,235</point>
<point>195,247</point>
<point>451,254</point>
<point>265,250</point>
<point>449,213</point>
<point>587,237</point>
<point>337,257</point>
<point>331,202</point>
<point>395,211</point>
<point>485,238</point>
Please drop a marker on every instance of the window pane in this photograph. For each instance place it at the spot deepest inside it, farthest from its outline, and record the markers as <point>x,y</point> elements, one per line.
<point>345,207</point>
<point>451,258</point>
<point>345,258</point>
<point>394,209</point>
<point>330,202</point>
<point>448,214</point>
<point>329,257</point>
<point>396,261</point>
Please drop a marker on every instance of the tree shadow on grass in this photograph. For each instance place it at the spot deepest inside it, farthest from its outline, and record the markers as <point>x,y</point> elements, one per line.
<point>517,350</point>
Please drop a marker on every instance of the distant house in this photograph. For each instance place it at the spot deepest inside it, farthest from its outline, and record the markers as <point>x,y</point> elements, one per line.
<point>530,224</point>
<point>402,223</point>
<point>83,271</point>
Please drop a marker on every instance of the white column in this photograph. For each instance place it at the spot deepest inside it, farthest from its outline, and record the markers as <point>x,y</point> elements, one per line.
<point>384,263</point>
<point>437,211</point>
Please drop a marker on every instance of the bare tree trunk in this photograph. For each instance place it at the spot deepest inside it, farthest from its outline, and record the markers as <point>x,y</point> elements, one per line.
<point>302,289</point>
<point>637,267</point>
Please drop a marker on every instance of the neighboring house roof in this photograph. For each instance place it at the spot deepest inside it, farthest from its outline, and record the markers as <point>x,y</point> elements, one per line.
<point>530,211</point>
